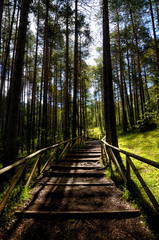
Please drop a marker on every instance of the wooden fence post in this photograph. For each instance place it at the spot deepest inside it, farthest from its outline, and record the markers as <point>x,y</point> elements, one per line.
<point>33,170</point>
<point>128,176</point>
<point>39,165</point>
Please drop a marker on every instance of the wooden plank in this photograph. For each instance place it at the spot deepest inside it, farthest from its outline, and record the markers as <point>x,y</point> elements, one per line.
<point>86,155</point>
<point>78,184</point>
<point>75,174</point>
<point>106,154</point>
<point>73,146</point>
<point>46,164</point>
<point>89,151</point>
<point>79,160</point>
<point>64,150</point>
<point>14,182</point>
<point>143,183</point>
<point>40,215</point>
<point>118,166</point>
<point>128,175</point>
<point>76,168</point>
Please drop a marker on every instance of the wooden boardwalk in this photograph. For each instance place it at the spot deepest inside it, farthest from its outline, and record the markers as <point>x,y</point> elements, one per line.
<point>74,200</point>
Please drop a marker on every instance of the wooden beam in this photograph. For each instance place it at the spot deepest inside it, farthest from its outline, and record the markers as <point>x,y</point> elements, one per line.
<point>76,174</point>
<point>64,150</point>
<point>78,214</point>
<point>143,183</point>
<point>118,166</point>
<point>73,145</point>
<point>74,184</point>
<point>46,164</point>
<point>33,170</point>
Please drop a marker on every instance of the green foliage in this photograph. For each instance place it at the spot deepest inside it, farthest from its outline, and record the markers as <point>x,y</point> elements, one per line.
<point>147,123</point>
<point>19,195</point>
<point>146,145</point>
<point>94,133</point>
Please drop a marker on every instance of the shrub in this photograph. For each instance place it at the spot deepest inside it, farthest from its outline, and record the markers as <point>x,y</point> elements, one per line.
<point>147,123</point>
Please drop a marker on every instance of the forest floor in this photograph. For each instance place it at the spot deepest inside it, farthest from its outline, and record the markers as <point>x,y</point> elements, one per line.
<point>88,191</point>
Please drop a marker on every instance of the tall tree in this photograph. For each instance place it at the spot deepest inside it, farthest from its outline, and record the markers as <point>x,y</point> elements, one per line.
<point>66,108</point>
<point>110,120</point>
<point>11,131</point>
<point>44,118</point>
<point>74,123</point>
<point>1,13</point>
<point>4,69</point>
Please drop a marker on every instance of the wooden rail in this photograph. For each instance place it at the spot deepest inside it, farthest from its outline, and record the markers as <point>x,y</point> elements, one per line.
<point>108,156</point>
<point>22,163</point>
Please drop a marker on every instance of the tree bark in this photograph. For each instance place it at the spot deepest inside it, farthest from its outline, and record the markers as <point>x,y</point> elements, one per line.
<point>1,13</point>
<point>74,123</point>
<point>66,103</point>
<point>44,116</point>
<point>124,116</point>
<point>11,133</point>
<point>142,97</point>
<point>110,120</point>
<point>32,116</point>
<point>6,58</point>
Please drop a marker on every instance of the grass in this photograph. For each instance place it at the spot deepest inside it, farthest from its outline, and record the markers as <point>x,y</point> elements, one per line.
<point>94,133</point>
<point>19,195</point>
<point>143,144</point>
<point>146,145</point>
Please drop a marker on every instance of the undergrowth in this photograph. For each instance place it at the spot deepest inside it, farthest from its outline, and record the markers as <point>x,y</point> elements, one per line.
<point>19,195</point>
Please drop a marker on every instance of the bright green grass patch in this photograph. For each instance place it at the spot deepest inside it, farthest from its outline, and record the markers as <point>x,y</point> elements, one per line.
<point>94,133</point>
<point>143,144</point>
<point>146,145</point>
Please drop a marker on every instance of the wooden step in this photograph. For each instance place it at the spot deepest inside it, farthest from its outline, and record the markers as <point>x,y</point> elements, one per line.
<point>60,167</point>
<point>88,151</point>
<point>40,215</point>
<point>74,184</point>
<point>79,160</point>
<point>74,174</point>
<point>84,155</point>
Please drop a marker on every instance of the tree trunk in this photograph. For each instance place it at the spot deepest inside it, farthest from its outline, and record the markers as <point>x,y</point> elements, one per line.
<point>44,118</point>
<point>154,34</point>
<point>6,58</point>
<point>74,123</point>
<point>110,120</point>
<point>135,88</point>
<point>55,97</point>
<point>16,86</point>
<point>32,117</point>
<point>157,10</point>
<point>142,97</point>
<point>124,116</point>
<point>130,89</point>
<point>66,102</point>
<point>1,13</point>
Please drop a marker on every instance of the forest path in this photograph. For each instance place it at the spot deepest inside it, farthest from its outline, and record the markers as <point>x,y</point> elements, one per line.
<point>74,200</point>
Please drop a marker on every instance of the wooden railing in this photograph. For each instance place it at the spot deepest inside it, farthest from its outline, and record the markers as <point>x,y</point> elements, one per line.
<point>37,164</point>
<point>108,155</point>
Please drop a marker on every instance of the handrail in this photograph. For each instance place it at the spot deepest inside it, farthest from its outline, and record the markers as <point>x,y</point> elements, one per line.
<point>129,163</point>
<point>23,162</point>
<point>6,169</point>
